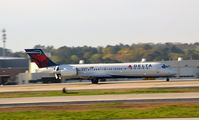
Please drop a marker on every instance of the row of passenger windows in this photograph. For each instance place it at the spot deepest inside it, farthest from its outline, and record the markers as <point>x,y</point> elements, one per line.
<point>97,69</point>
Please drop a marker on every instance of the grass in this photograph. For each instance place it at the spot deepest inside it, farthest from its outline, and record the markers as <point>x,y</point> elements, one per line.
<point>95,92</point>
<point>105,113</point>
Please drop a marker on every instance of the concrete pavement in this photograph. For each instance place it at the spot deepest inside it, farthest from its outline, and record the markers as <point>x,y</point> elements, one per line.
<point>101,98</point>
<point>142,84</point>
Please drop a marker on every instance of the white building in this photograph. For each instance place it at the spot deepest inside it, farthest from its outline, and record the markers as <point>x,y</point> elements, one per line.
<point>24,78</point>
<point>185,68</point>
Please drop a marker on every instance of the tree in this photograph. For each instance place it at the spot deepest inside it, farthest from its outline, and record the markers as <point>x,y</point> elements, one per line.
<point>74,59</point>
<point>96,58</point>
<point>117,53</point>
<point>147,47</point>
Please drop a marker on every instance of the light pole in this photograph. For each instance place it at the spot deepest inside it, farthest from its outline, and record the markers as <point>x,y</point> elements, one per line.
<point>4,41</point>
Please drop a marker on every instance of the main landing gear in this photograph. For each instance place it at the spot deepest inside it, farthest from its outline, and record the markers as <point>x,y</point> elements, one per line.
<point>94,81</point>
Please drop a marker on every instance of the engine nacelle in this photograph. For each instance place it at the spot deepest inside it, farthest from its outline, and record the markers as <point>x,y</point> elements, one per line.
<point>69,71</point>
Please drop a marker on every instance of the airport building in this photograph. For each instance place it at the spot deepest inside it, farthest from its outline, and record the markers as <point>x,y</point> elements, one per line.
<point>32,76</point>
<point>10,67</point>
<point>185,68</point>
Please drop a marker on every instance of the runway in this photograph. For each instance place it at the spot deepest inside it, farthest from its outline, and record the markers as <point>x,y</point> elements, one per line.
<point>56,101</point>
<point>142,84</point>
<point>91,99</point>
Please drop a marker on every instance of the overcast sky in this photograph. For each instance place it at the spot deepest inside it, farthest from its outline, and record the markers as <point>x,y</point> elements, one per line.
<point>97,22</point>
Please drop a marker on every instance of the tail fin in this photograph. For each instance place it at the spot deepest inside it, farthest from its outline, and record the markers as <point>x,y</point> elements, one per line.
<point>38,56</point>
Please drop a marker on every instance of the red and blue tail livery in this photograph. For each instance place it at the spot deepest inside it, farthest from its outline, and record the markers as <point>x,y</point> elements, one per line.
<point>38,56</point>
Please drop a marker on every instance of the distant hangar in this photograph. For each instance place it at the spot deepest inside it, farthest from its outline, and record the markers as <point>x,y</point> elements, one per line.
<point>10,67</point>
<point>185,68</point>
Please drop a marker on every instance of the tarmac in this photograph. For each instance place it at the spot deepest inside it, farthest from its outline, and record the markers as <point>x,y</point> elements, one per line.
<point>91,99</point>
<point>141,84</point>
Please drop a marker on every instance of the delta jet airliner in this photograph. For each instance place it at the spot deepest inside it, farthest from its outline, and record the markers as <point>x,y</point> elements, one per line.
<point>95,72</point>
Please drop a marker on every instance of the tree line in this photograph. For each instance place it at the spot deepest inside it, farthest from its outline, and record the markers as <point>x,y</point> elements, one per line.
<point>118,53</point>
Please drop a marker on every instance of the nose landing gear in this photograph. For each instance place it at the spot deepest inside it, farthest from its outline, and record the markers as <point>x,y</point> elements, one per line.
<point>94,81</point>
<point>167,79</point>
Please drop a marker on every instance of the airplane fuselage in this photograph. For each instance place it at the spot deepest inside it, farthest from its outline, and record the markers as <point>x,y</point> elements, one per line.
<point>114,70</point>
<point>99,71</point>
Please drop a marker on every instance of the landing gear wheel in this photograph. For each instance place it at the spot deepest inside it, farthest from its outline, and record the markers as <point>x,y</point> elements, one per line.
<point>94,81</point>
<point>102,80</point>
<point>167,79</point>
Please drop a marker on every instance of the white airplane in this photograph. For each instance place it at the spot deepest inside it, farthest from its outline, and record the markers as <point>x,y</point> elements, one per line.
<point>95,72</point>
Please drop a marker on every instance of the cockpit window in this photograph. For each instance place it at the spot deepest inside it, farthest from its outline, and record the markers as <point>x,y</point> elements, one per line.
<point>164,66</point>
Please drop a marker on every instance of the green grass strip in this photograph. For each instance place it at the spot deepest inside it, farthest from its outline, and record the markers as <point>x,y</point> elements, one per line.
<point>161,112</point>
<point>95,92</point>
